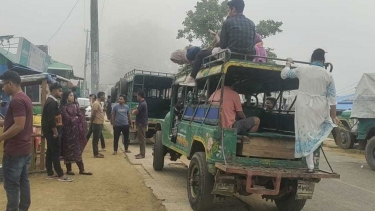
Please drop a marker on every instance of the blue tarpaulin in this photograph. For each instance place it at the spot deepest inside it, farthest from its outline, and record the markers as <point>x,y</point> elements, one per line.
<point>345,102</point>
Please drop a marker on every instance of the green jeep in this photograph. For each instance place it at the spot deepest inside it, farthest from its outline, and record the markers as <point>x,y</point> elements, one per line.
<point>157,88</point>
<point>223,163</point>
<point>363,116</point>
<point>347,130</point>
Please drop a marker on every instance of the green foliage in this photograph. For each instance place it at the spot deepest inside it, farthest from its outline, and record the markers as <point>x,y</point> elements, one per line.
<point>268,28</point>
<point>270,53</point>
<point>210,14</point>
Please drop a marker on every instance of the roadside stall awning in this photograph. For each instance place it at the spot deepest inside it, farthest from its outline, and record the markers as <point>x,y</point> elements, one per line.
<point>34,79</point>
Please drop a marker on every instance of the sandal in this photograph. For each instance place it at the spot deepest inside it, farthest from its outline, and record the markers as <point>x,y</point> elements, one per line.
<point>64,179</point>
<point>52,177</point>
<point>70,173</point>
<point>99,156</point>
<point>139,156</point>
<point>85,173</point>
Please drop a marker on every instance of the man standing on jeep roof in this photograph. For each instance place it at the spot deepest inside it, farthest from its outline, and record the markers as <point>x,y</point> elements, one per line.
<point>141,121</point>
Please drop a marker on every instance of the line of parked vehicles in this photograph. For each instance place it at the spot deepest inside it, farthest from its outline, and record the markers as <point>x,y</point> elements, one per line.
<point>223,163</point>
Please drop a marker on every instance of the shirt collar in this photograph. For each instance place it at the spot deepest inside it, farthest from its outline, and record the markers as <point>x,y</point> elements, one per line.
<point>317,64</point>
<point>54,98</point>
<point>239,14</point>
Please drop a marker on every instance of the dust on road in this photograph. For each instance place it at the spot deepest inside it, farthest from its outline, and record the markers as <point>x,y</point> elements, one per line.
<point>115,185</point>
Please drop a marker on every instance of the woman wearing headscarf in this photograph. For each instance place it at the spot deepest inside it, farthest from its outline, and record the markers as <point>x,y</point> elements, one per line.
<point>259,49</point>
<point>185,56</point>
<point>315,114</point>
<point>74,133</point>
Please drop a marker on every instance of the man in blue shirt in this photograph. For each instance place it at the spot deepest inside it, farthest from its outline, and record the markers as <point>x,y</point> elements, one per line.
<point>121,120</point>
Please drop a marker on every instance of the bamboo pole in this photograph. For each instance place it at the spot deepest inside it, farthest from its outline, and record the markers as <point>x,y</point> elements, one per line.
<point>43,139</point>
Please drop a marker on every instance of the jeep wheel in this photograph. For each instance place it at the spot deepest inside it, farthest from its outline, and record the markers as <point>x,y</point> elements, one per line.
<point>158,162</point>
<point>346,139</point>
<point>200,183</point>
<point>370,152</point>
<point>289,203</point>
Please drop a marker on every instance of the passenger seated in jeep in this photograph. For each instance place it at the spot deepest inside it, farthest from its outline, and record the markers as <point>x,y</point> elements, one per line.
<point>270,104</point>
<point>178,110</point>
<point>231,109</point>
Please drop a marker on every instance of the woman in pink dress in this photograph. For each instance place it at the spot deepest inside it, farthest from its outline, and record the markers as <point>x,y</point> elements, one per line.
<point>260,50</point>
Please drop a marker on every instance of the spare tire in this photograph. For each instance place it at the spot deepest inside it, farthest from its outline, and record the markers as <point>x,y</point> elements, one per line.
<point>123,86</point>
<point>113,95</point>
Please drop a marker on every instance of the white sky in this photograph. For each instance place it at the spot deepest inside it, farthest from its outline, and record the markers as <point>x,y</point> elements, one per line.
<point>142,33</point>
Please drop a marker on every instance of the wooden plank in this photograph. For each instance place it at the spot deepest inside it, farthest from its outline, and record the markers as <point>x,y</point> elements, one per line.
<point>259,141</point>
<point>33,155</point>
<point>42,154</point>
<point>268,148</point>
<point>1,151</point>
<point>264,153</point>
<point>42,165</point>
<point>44,93</point>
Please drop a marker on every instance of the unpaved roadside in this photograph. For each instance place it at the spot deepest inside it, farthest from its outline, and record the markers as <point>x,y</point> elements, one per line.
<point>115,185</point>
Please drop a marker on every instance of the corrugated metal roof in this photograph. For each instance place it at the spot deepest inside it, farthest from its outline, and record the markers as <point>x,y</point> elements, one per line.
<point>60,66</point>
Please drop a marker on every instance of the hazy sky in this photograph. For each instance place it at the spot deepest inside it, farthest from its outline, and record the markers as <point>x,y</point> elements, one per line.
<point>141,33</point>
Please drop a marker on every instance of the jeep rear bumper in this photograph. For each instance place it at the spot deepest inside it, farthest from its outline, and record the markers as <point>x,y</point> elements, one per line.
<point>275,174</point>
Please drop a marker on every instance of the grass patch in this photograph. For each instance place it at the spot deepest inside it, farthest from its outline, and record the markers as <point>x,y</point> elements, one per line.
<point>106,133</point>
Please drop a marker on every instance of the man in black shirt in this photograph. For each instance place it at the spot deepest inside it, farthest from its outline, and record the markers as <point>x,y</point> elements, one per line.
<point>237,35</point>
<point>141,122</point>
<point>52,130</point>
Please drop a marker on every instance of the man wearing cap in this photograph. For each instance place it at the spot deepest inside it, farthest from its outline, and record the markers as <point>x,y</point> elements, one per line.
<point>18,127</point>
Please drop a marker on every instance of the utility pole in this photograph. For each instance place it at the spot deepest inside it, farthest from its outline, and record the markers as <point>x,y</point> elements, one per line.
<point>94,46</point>
<point>86,61</point>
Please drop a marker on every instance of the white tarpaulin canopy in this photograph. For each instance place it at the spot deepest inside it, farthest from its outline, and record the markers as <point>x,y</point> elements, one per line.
<point>364,100</point>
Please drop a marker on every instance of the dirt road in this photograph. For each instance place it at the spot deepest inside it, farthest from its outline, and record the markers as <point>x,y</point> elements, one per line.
<point>115,185</point>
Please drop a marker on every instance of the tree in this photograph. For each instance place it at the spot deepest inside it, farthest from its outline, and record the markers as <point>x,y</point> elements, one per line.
<point>210,14</point>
